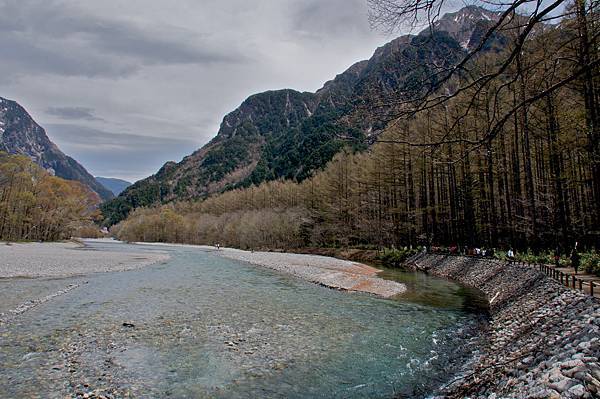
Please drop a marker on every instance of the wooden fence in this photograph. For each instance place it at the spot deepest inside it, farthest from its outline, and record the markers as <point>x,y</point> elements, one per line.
<point>567,279</point>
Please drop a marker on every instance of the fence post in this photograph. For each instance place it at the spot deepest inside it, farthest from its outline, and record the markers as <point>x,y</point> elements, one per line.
<point>580,285</point>
<point>591,288</point>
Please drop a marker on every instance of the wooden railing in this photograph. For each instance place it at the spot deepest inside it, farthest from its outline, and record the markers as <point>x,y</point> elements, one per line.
<point>567,279</point>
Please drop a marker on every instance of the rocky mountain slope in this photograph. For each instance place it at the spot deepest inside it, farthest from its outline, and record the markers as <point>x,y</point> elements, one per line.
<point>116,186</point>
<point>288,134</point>
<point>20,134</point>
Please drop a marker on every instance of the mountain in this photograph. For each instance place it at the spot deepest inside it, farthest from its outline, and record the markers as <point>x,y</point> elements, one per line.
<point>19,134</point>
<point>289,134</point>
<point>116,186</point>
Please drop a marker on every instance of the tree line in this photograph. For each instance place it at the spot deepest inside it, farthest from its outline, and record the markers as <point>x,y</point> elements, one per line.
<point>35,205</point>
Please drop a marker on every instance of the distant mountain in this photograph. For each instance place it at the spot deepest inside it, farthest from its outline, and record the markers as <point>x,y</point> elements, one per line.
<point>289,134</point>
<point>19,134</point>
<point>116,186</point>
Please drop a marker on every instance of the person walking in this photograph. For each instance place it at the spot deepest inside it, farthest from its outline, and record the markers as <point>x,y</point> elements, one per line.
<point>557,256</point>
<point>575,258</point>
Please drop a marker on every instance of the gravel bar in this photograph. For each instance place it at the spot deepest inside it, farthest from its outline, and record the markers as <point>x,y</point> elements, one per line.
<point>63,259</point>
<point>329,272</point>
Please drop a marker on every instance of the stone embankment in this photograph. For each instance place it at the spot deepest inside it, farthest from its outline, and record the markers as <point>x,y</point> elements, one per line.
<point>543,339</point>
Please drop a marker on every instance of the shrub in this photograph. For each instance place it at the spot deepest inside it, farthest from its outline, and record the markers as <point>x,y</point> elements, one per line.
<point>394,257</point>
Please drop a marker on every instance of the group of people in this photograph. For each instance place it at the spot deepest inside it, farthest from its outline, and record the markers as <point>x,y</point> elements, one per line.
<point>574,256</point>
<point>482,252</point>
<point>455,250</point>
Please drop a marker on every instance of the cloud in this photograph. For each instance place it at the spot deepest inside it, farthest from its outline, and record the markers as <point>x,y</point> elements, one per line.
<point>73,113</point>
<point>333,19</point>
<point>127,156</point>
<point>59,38</point>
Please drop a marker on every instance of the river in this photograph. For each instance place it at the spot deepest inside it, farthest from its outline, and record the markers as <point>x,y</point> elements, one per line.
<point>199,325</point>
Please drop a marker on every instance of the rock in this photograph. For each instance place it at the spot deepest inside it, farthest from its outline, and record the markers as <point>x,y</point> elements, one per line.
<point>563,385</point>
<point>571,372</point>
<point>545,394</point>
<point>584,345</point>
<point>555,375</point>
<point>571,363</point>
<point>128,325</point>
<point>577,391</point>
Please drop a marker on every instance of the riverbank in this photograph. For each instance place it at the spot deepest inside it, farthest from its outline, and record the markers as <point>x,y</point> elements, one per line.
<point>324,270</point>
<point>49,266</point>
<point>69,258</point>
<point>543,339</point>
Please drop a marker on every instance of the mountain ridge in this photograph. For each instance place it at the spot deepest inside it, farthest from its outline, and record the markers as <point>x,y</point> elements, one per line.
<point>290,134</point>
<point>20,134</point>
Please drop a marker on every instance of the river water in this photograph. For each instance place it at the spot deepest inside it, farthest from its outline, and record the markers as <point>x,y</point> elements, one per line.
<point>200,325</point>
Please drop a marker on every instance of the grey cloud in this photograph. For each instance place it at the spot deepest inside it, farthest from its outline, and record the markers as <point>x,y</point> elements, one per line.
<point>74,113</point>
<point>319,18</point>
<point>52,37</point>
<point>126,156</point>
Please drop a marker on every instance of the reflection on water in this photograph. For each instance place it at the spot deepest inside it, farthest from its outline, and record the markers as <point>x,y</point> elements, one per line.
<point>205,326</point>
<point>439,293</point>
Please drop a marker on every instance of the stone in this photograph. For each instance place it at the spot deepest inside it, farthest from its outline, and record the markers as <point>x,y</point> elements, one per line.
<point>577,391</point>
<point>563,385</point>
<point>571,372</point>
<point>545,394</point>
<point>584,345</point>
<point>571,363</point>
<point>555,374</point>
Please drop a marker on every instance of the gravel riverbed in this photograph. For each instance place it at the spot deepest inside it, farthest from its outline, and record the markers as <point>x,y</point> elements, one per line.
<point>48,265</point>
<point>62,259</point>
<point>329,272</point>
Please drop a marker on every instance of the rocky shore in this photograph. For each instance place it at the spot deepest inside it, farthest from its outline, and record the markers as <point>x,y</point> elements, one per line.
<point>543,339</point>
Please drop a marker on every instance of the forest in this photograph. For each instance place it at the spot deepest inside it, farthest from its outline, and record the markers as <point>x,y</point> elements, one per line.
<point>34,205</point>
<point>502,150</point>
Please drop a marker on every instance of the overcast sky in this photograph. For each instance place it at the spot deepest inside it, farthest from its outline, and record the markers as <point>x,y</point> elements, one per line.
<point>124,86</point>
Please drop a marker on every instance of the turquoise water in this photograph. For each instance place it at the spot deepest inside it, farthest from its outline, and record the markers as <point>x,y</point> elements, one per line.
<point>205,326</point>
